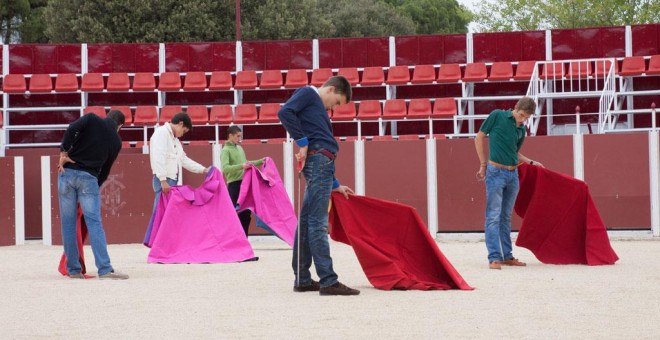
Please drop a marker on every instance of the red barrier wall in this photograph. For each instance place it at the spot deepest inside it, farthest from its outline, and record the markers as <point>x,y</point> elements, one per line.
<point>7,214</point>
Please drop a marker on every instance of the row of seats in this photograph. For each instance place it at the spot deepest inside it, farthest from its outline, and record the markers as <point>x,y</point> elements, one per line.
<point>274,79</point>
<point>420,108</point>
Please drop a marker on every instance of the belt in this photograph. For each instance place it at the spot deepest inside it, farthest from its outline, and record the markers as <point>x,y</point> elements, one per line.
<point>324,152</point>
<point>502,166</point>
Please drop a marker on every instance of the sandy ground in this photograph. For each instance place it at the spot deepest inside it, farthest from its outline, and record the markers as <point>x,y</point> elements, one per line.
<point>255,299</point>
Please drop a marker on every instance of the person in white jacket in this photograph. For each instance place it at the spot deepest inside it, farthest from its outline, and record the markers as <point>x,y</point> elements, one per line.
<point>167,156</point>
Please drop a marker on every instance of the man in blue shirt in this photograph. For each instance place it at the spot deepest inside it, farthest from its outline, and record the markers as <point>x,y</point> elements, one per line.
<point>306,119</point>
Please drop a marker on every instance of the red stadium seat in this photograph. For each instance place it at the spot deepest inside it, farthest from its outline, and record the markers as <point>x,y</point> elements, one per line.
<point>268,113</point>
<point>394,109</point>
<point>92,82</point>
<point>220,81</point>
<point>632,66</point>
<point>502,70</point>
<point>97,110</point>
<point>199,114</point>
<point>66,82</point>
<point>145,116</point>
<point>169,81</point>
<point>118,82</point>
<point>167,112</point>
<point>419,108</point>
<point>475,72</point>
<point>524,70</point>
<point>270,79</point>
<point>221,114</point>
<point>654,65</point>
<point>444,108</point>
<point>344,112</point>
<point>553,70</point>
<point>449,73</point>
<point>603,67</point>
<point>372,76</point>
<point>41,83</point>
<point>245,114</point>
<point>423,74</point>
<point>246,80</point>
<point>14,83</point>
<point>398,75</point>
<point>579,69</point>
<point>369,110</point>
<point>126,110</point>
<point>2,119</point>
<point>144,81</point>
<point>195,81</point>
<point>320,75</point>
<point>296,78</point>
<point>351,74</point>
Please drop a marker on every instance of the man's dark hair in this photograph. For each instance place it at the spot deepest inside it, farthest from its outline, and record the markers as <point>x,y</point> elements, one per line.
<point>117,116</point>
<point>342,86</point>
<point>182,117</point>
<point>232,130</point>
<point>526,104</point>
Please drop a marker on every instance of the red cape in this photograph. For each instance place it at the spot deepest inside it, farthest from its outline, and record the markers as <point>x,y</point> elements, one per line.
<point>81,237</point>
<point>561,224</point>
<point>392,244</point>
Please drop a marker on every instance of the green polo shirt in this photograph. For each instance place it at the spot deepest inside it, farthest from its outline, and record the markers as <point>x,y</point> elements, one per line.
<point>504,137</point>
<point>232,158</point>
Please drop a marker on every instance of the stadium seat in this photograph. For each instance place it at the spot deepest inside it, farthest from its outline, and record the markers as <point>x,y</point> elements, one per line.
<point>553,70</point>
<point>126,110</point>
<point>199,114</point>
<point>344,112</point>
<point>419,108</point>
<point>92,82</point>
<point>270,79</point>
<point>320,75</point>
<point>97,110</point>
<point>579,69</point>
<point>296,78</point>
<point>220,81</point>
<point>118,82</point>
<point>632,66</point>
<point>423,74</point>
<point>394,109</point>
<point>66,82</point>
<point>444,108</point>
<point>502,70</point>
<point>169,81</point>
<point>351,74</point>
<point>246,80</point>
<point>602,67</point>
<point>398,75</point>
<point>524,70</point>
<point>475,72</point>
<point>145,116</point>
<point>144,81</point>
<point>41,83</point>
<point>369,110</point>
<point>654,65</point>
<point>14,83</point>
<point>221,114</point>
<point>449,73</point>
<point>245,114</point>
<point>167,112</point>
<point>268,113</point>
<point>195,81</point>
<point>372,76</point>
<point>2,119</point>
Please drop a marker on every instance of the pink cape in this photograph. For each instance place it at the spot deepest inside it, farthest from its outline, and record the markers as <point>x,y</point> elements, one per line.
<point>392,244</point>
<point>198,226</point>
<point>561,224</point>
<point>263,193</point>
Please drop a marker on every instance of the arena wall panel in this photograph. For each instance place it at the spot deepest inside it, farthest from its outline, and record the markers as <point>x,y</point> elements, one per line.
<point>7,214</point>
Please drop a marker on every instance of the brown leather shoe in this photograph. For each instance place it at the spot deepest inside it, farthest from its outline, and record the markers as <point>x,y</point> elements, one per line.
<point>514,262</point>
<point>312,287</point>
<point>495,265</point>
<point>338,289</point>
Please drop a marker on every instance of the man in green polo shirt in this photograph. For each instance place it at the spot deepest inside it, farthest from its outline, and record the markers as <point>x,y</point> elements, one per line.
<point>506,134</point>
<point>234,163</point>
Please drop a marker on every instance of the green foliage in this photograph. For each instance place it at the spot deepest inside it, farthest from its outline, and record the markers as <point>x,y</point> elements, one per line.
<point>360,18</point>
<point>11,14</point>
<point>277,19</point>
<point>434,16</point>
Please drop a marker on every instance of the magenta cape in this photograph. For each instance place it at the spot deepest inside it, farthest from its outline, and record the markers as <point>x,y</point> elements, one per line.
<point>392,244</point>
<point>263,193</point>
<point>198,226</point>
<point>561,224</point>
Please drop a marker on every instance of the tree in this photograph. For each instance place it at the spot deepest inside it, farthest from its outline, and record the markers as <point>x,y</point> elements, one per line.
<point>284,19</point>
<point>434,16</point>
<point>11,12</point>
<point>512,15</point>
<point>361,18</point>
<point>33,24</point>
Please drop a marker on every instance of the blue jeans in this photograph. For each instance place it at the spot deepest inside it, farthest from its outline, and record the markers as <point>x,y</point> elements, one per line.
<point>79,186</point>
<point>158,188</point>
<point>319,174</point>
<point>501,190</point>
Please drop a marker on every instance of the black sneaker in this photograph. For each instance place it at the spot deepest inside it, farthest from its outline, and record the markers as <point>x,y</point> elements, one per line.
<point>338,289</point>
<point>312,287</point>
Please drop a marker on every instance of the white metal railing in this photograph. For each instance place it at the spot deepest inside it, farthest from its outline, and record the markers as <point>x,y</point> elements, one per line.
<point>605,103</point>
